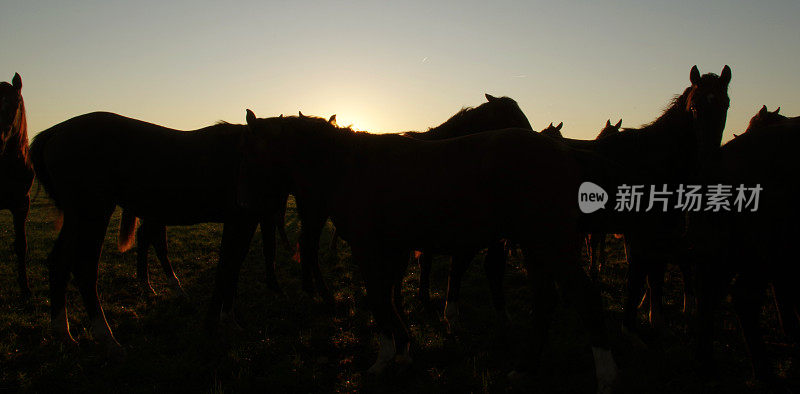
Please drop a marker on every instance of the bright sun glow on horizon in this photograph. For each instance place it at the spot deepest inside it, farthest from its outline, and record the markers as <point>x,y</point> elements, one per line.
<point>393,67</point>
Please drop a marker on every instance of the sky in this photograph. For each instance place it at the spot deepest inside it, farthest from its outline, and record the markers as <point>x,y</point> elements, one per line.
<point>399,66</point>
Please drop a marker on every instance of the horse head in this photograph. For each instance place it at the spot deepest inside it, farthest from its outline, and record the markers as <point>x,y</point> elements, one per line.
<point>11,109</point>
<point>765,118</point>
<point>609,129</point>
<point>707,101</point>
<point>553,131</point>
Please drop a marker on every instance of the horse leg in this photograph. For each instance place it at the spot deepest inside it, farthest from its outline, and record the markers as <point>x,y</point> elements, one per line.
<point>143,235</point>
<point>579,291</point>
<point>596,250</point>
<point>689,286</point>
<point>748,294</point>
<point>236,238</point>
<point>425,262</point>
<point>786,303</point>
<point>545,298</point>
<point>280,223</point>
<point>84,254</point>
<point>381,280</point>
<point>20,215</point>
<point>160,245</point>
<point>636,279</point>
<point>312,223</point>
<point>599,251</point>
<point>58,270</point>
<point>458,267</point>
<point>268,237</point>
<point>655,282</point>
<point>494,264</point>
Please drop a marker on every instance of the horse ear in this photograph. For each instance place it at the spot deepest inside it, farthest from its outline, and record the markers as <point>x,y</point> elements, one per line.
<point>559,126</point>
<point>777,110</point>
<point>551,125</point>
<point>301,114</point>
<point>332,119</point>
<point>251,117</point>
<point>694,76</point>
<point>489,97</point>
<point>608,123</point>
<point>725,76</point>
<point>763,110</point>
<point>17,81</point>
<point>616,126</point>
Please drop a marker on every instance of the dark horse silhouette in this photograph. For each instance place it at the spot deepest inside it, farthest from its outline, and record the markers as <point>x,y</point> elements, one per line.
<point>553,131</point>
<point>155,235</point>
<point>752,246</point>
<point>363,180</point>
<point>655,238</point>
<point>93,162</point>
<point>496,113</point>
<point>596,242</point>
<point>16,171</point>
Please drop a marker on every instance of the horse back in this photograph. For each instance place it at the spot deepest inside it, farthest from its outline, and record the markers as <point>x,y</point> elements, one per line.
<point>152,170</point>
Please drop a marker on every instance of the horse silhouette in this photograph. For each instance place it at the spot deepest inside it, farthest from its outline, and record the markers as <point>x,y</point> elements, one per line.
<point>752,246</point>
<point>495,113</point>
<point>16,171</point>
<point>93,162</point>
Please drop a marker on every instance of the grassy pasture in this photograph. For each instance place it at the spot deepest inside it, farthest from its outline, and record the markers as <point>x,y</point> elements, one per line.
<point>297,344</point>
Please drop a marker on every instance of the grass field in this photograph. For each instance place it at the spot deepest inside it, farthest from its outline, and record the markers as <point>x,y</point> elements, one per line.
<point>297,344</point>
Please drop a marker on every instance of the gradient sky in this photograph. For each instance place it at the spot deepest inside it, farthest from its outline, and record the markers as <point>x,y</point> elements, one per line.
<point>394,66</point>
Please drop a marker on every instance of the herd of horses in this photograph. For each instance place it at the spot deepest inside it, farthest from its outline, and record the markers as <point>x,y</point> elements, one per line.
<point>484,179</point>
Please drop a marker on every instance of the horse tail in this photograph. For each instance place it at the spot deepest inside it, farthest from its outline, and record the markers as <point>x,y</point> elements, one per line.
<point>127,230</point>
<point>37,156</point>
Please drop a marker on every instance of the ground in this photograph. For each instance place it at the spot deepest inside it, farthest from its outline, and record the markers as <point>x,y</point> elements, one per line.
<point>298,344</point>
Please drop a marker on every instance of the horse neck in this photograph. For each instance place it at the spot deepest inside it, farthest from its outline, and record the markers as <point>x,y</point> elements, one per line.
<point>461,124</point>
<point>660,149</point>
<point>323,158</point>
<point>17,146</point>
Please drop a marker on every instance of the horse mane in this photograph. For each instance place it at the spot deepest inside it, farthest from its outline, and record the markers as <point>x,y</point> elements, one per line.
<point>675,110</point>
<point>455,125</point>
<point>317,125</point>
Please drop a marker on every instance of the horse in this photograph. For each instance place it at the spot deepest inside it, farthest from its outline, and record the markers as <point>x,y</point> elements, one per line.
<point>91,163</point>
<point>495,113</point>
<point>655,239</point>
<point>155,235</point>
<point>16,171</point>
<point>751,245</point>
<point>595,242</point>
<point>553,131</point>
<point>765,118</point>
<point>363,181</point>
